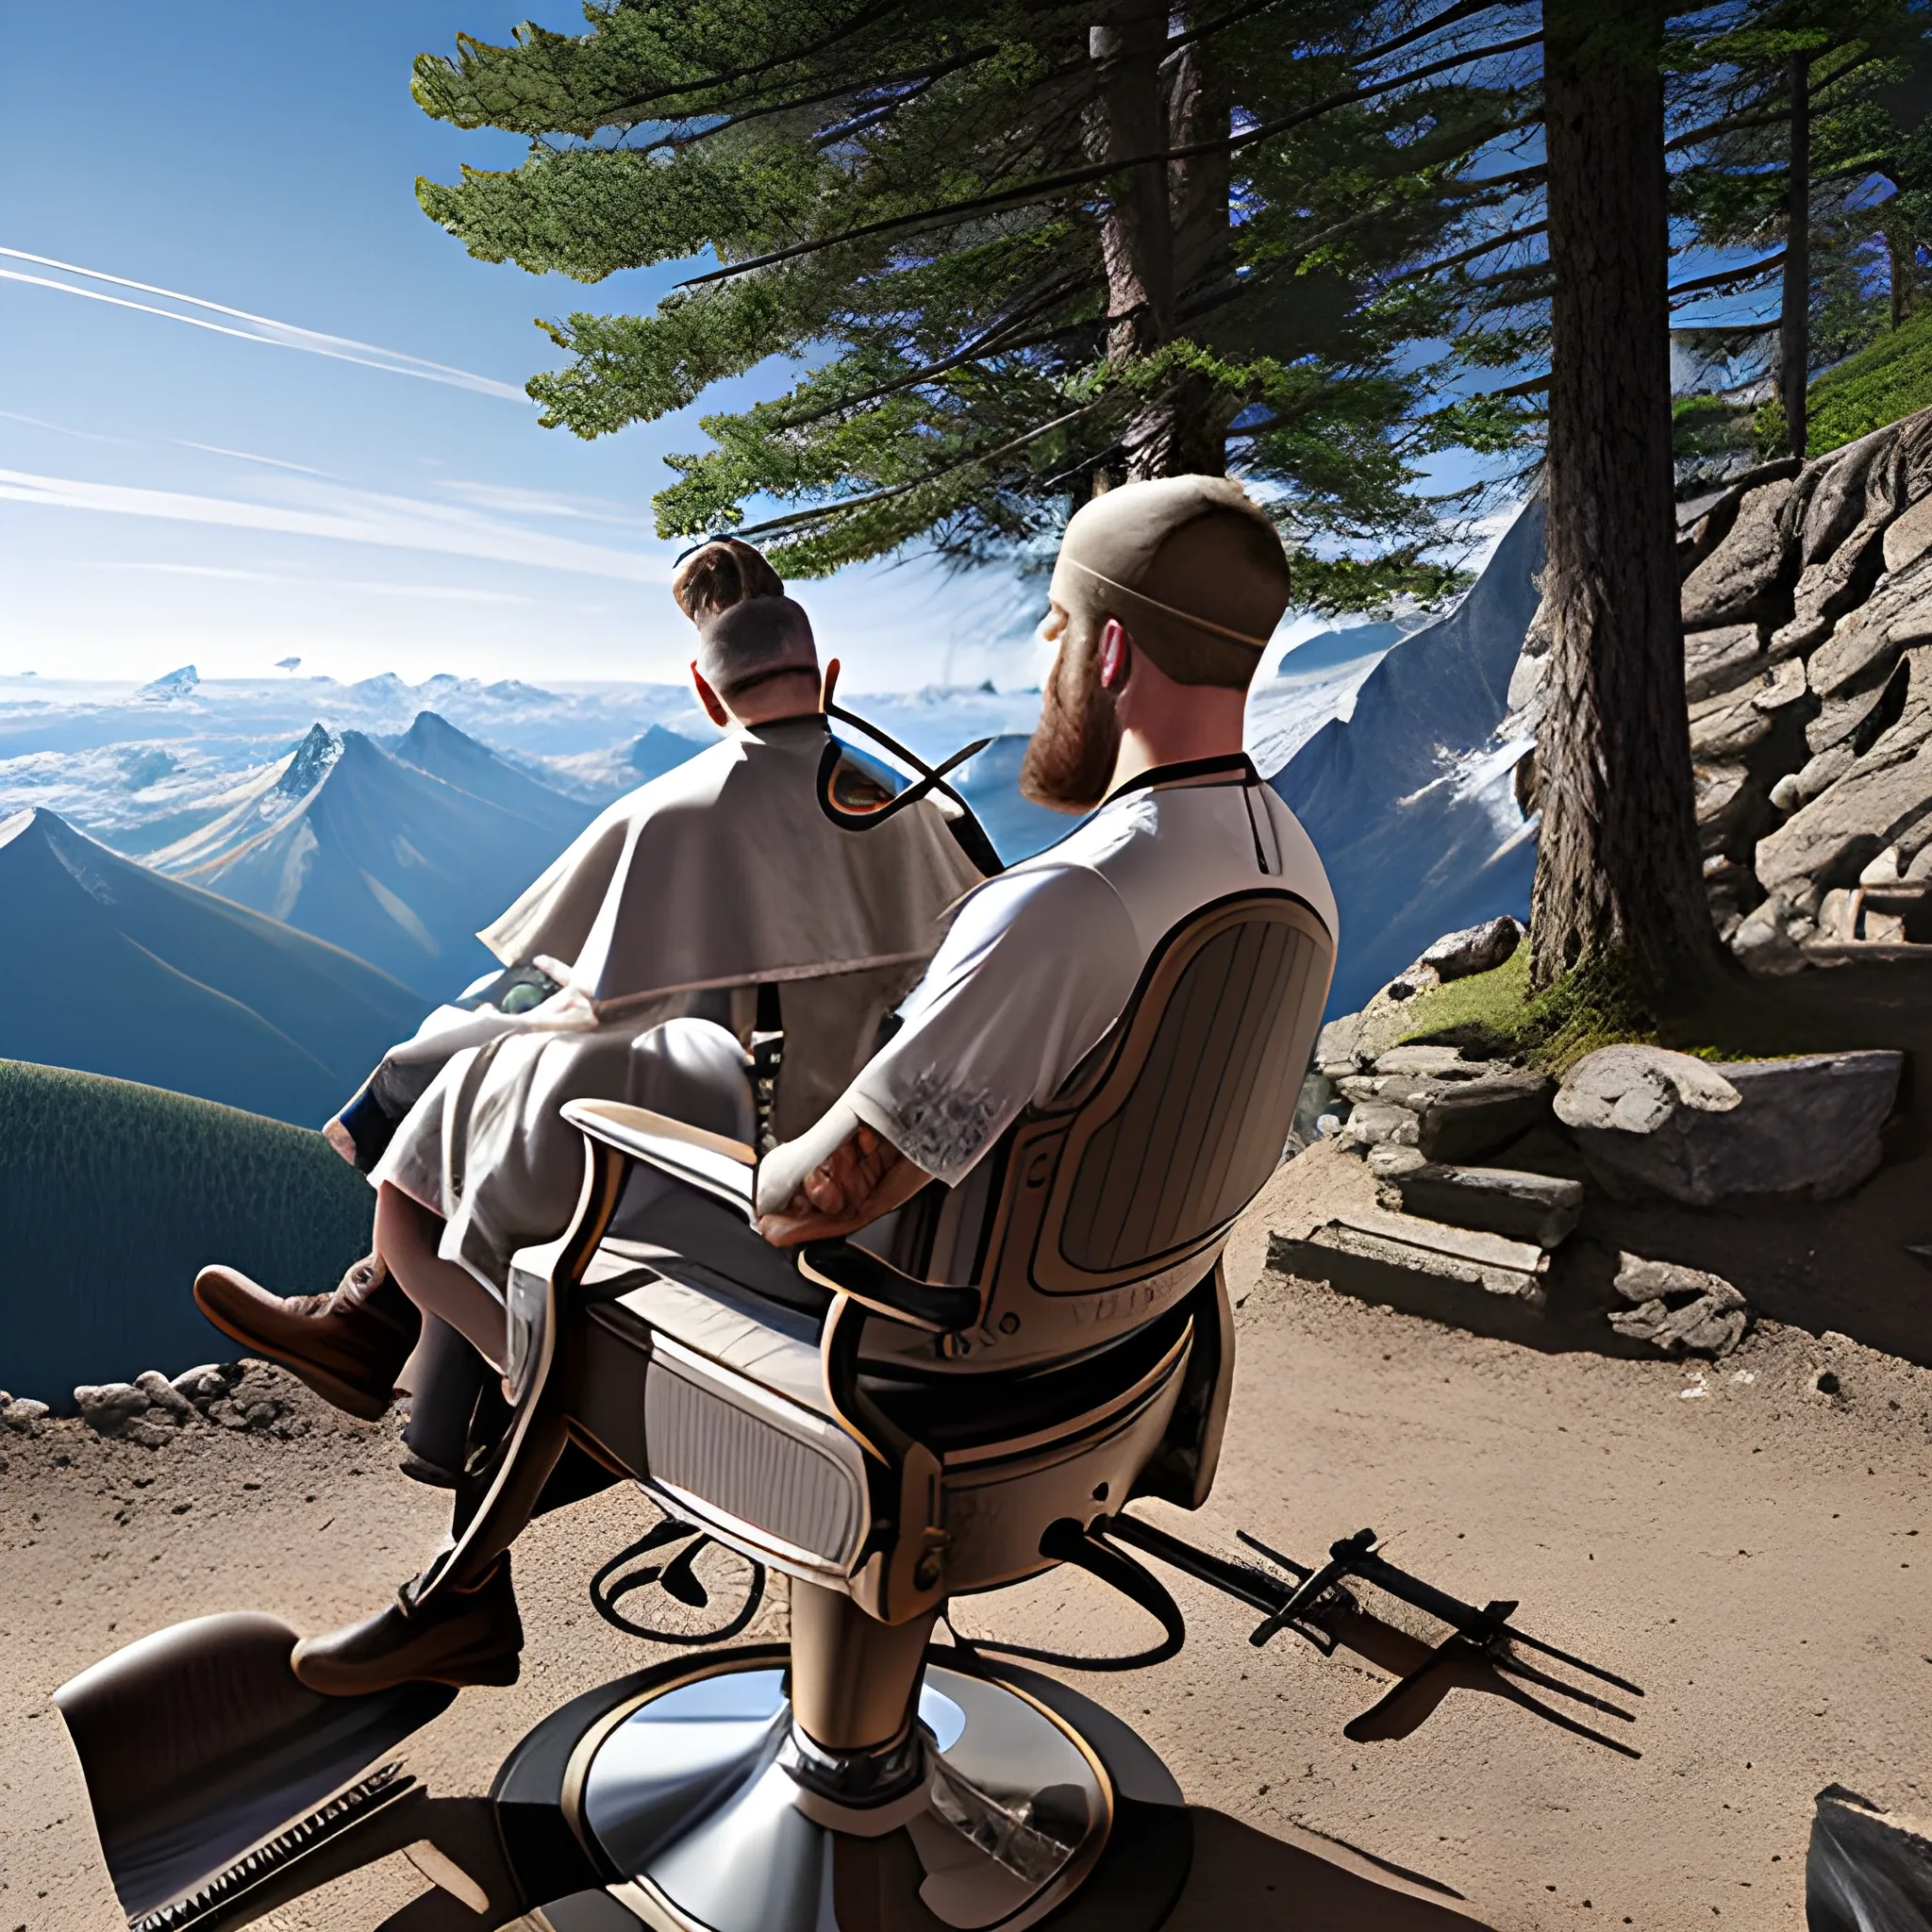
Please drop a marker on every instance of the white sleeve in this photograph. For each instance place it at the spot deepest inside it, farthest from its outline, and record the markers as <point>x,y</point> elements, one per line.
<point>1035,969</point>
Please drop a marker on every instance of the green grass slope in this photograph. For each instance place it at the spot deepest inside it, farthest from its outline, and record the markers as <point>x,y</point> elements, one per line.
<point>113,1195</point>
<point>1885,380</point>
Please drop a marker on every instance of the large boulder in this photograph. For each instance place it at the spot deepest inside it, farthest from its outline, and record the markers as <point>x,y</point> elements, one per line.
<point>1648,1124</point>
<point>1636,1090</point>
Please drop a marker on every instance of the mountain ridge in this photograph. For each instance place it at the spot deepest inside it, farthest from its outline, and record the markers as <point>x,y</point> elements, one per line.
<point>1408,798</point>
<point>153,980</point>
<point>397,858</point>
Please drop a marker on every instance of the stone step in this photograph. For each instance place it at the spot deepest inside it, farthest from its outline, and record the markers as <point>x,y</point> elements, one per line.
<point>1475,1246</point>
<point>1415,1265</point>
<point>1476,1116</point>
<point>1529,1207</point>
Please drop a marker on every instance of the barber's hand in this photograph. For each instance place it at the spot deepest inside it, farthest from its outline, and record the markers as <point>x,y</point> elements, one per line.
<point>842,1193</point>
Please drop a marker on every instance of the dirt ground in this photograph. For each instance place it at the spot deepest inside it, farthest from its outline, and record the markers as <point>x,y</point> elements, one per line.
<point>1745,1546</point>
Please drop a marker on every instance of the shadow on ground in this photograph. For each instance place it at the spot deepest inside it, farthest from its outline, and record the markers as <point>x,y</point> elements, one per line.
<point>1244,1877</point>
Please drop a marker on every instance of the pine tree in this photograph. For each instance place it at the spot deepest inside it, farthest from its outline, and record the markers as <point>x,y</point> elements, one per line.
<point>1793,114</point>
<point>1021,255</point>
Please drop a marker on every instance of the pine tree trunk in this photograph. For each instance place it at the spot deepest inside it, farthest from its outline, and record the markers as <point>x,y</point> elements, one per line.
<point>1618,877</point>
<point>1902,262</point>
<point>1136,241</point>
<point>1165,229</point>
<point>1794,313</point>
<point>1184,432</point>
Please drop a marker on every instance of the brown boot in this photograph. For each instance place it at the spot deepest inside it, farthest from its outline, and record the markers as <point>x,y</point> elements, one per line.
<point>349,1347</point>
<point>459,1636</point>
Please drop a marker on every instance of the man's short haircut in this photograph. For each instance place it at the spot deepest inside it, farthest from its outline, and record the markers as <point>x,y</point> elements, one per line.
<point>753,642</point>
<point>720,574</point>
<point>1192,566</point>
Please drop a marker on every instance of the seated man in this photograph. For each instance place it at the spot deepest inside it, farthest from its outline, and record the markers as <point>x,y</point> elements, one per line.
<point>719,889</point>
<point>1163,598</point>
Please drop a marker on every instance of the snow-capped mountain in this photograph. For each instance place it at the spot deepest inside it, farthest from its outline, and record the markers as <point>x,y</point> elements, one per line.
<point>1316,681</point>
<point>1409,799</point>
<point>125,973</point>
<point>373,852</point>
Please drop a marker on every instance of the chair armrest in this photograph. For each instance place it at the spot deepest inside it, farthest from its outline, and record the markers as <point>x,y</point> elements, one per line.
<point>721,1167</point>
<point>886,1291</point>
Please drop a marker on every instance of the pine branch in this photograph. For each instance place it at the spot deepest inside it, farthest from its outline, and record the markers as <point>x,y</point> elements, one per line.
<point>869,17</point>
<point>1463,9</point>
<point>1535,384</point>
<point>1746,120</point>
<point>1489,247</point>
<point>1099,170</point>
<point>989,342</point>
<point>915,81</point>
<point>1725,276</point>
<point>875,496</point>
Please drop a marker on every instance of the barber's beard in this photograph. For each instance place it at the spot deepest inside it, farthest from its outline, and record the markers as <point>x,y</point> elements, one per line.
<point>1070,756</point>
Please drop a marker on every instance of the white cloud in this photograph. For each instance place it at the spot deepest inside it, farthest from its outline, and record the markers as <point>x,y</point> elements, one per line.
<point>514,501</point>
<point>244,456</point>
<point>259,328</point>
<point>349,516</point>
<point>461,593</point>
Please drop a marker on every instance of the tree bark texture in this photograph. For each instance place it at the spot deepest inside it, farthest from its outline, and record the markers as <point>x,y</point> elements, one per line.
<point>1136,240</point>
<point>1794,311</point>
<point>1618,874</point>
<point>1902,262</point>
<point>1166,230</point>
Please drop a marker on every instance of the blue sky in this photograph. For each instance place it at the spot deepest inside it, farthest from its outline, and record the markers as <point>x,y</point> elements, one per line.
<point>171,493</point>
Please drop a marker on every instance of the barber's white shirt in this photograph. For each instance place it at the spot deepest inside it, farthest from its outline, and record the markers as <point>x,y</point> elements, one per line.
<point>1042,960</point>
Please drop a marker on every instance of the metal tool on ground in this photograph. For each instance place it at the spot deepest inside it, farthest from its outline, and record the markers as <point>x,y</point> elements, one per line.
<point>1316,1605</point>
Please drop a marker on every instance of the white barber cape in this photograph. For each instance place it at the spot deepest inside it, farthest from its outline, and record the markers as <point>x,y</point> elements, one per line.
<point>1040,961</point>
<point>722,874</point>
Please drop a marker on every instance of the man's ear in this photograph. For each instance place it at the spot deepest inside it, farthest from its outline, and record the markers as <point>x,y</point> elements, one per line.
<point>1116,654</point>
<point>713,704</point>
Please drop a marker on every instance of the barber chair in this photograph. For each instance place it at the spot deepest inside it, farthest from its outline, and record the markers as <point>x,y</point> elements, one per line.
<point>965,1396</point>
<point>1003,1366</point>
<point>944,1410</point>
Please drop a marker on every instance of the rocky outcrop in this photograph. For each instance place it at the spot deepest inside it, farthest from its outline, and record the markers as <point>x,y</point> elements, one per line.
<point>1808,673</point>
<point>1476,949</point>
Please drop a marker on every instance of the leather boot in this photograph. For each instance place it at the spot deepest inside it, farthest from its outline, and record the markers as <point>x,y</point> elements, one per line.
<point>459,1636</point>
<point>349,1347</point>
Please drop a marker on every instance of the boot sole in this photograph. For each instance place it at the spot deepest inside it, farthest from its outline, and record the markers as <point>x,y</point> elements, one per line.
<point>358,1403</point>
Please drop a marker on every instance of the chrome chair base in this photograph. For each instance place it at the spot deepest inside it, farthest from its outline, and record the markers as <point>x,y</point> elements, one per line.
<point>688,1793</point>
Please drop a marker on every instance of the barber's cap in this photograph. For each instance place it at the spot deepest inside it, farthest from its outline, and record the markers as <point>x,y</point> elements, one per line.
<point>1192,566</point>
<point>760,637</point>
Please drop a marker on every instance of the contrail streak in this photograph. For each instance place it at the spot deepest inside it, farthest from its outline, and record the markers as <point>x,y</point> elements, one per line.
<point>283,335</point>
